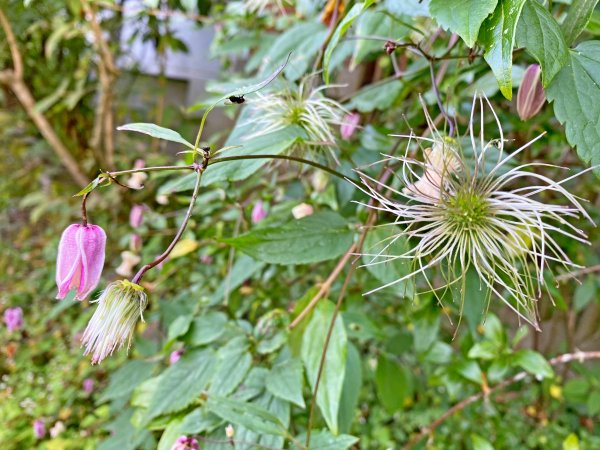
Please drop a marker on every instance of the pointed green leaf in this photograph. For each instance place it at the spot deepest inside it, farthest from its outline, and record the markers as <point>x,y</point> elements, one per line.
<point>285,381</point>
<point>332,376</point>
<point>463,17</point>
<point>156,131</point>
<point>394,384</point>
<point>497,36</point>
<point>579,15</point>
<point>575,92</point>
<point>534,363</point>
<point>542,37</point>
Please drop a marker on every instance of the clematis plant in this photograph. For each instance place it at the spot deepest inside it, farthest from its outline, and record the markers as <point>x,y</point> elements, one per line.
<point>80,260</point>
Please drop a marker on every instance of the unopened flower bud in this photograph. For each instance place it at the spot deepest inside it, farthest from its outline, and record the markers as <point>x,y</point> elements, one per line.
<point>302,210</point>
<point>128,262</point>
<point>185,443</point>
<point>229,431</point>
<point>80,260</point>
<point>113,323</point>
<point>88,385</point>
<point>57,429</point>
<point>13,318</point>
<point>39,429</point>
<point>135,243</point>
<point>175,356</point>
<point>530,96</point>
<point>136,216</point>
<point>258,212</point>
<point>390,47</point>
<point>319,181</point>
<point>137,179</point>
<point>349,124</point>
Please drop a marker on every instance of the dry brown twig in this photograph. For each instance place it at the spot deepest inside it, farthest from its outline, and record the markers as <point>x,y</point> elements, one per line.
<point>13,79</point>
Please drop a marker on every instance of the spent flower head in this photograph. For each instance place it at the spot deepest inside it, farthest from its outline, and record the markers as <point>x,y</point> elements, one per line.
<point>482,212</point>
<point>113,323</point>
<point>311,110</point>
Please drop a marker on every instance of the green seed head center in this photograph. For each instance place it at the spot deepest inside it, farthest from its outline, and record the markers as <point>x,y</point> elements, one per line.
<point>467,209</point>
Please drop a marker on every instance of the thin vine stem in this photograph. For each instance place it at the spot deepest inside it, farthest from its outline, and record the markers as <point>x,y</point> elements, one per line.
<point>182,228</point>
<point>151,169</point>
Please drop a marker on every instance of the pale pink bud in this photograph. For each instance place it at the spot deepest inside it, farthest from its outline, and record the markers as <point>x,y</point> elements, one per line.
<point>128,262</point>
<point>530,96</point>
<point>185,443</point>
<point>39,429</point>
<point>206,259</point>
<point>80,260</point>
<point>136,216</point>
<point>302,210</point>
<point>258,212</point>
<point>137,179</point>
<point>349,124</point>
<point>57,429</point>
<point>13,318</point>
<point>135,243</point>
<point>175,356</point>
<point>88,385</point>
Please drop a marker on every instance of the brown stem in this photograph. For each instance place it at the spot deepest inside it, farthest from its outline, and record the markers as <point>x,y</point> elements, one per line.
<point>562,359</point>
<point>84,218</point>
<point>14,80</point>
<point>576,273</point>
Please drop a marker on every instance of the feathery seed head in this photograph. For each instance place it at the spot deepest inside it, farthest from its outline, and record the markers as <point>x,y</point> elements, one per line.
<point>462,212</point>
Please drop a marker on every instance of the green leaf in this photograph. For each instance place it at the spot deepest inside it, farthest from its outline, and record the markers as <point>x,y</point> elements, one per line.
<point>248,415</point>
<point>575,92</point>
<point>241,271</point>
<point>388,240</point>
<point>90,187</point>
<point>332,376</point>
<point>579,15</point>
<point>571,442</point>
<point>318,237</point>
<point>480,443</point>
<point>470,370</point>
<point>170,435</point>
<point>376,96</point>
<point>285,381</point>
<point>324,440</point>
<point>541,35</point>
<point>497,37</point>
<point>394,384</point>
<point>350,389</point>
<point>233,363</point>
<point>463,17</point>
<point>268,144</point>
<point>179,327</point>
<point>181,383</point>
<point>534,363</point>
<point>593,402</point>
<point>339,33</point>
<point>126,378</point>
<point>156,131</point>
<point>207,328</point>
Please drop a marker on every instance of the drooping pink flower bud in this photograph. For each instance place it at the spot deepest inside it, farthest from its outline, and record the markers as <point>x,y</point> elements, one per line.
<point>349,124</point>
<point>530,96</point>
<point>39,429</point>
<point>80,260</point>
<point>175,356</point>
<point>13,318</point>
<point>135,243</point>
<point>88,385</point>
<point>136,180</point>
<point>136,216</point>
<point>258,212</point>
<point>185,443</point>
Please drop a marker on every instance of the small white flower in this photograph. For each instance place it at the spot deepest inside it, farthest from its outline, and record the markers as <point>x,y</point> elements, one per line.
<point>461,212</point>
<point>113,323</point>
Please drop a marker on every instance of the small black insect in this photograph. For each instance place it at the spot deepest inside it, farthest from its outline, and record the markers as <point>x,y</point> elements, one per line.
<point>239,99</point>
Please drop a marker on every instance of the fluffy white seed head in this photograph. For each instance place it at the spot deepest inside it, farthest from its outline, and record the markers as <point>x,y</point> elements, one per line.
<point>482,212</point>
<point>120,306</point>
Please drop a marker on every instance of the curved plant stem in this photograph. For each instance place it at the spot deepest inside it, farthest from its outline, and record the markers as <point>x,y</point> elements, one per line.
<point>186,219</point>
<point>285,157</point>
<point>562,359</point>
<point>151,169</point>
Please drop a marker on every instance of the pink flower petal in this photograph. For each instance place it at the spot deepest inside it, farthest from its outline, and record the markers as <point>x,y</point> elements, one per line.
<point>92,242</point>
<point>68,260</point>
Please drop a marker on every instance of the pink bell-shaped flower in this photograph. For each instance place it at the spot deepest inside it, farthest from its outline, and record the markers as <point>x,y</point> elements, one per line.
<point>80,260</point>
<point>530,96</point>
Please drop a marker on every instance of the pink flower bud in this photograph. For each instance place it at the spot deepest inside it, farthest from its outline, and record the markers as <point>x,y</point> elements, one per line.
<point>39,429</point>
<point>206,259</point>
<point>88,385</point>
<point>135,243</point>
<point>530,96</point>
<point>349,124</point>
<point>302,210</point>
<point>13,318</point>
<point>258,212</point>
<point>175,356</point>
<point>136,216</point>
<point>185,443</point>
<point>136,180</point>
<point>80,260</point>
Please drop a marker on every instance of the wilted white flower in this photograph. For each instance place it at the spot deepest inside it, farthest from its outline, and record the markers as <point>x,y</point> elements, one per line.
<point>128,261</point>
<point>477,212</point>
<point>119,308</point>
<point>311,111</point>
